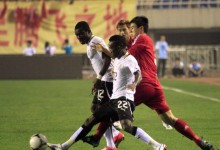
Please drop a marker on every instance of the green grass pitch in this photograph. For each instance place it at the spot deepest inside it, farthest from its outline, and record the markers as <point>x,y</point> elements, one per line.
<point>57,108</point>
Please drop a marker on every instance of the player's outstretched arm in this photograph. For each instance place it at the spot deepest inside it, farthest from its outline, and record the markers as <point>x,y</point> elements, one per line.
<point>137,80</point>
<point>106,64</point>
<point>100,48</point>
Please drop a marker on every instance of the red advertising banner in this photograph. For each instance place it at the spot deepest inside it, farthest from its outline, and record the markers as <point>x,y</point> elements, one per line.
<point>55,21</point>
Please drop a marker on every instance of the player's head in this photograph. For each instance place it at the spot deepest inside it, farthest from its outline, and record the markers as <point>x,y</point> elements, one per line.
<point>162,38</point>
<point>66,41</point>
<point>177,59</point>
<point>117,44</point>
<point>46,44</point>
<point>194,61</point>
<point>83,32</point>
<point>139,25</point>
<point>29,43</point>
<point>123,28</point>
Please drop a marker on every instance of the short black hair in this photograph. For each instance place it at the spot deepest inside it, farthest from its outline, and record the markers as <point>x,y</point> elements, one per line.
<point>46,44</point>
<point>66,41</point>
<point>29,41</point>
<point>83,25</point>
<point>118,41</point>
<point>177,58</point>
<point>141,21</point>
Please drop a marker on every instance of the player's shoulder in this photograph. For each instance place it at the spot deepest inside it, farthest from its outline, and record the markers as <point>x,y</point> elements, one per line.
<point>144,37</point>
<point>97,39</point>
<point>131,58</point>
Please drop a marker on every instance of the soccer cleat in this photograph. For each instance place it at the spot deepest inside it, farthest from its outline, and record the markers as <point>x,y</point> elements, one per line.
<point>55,146</point>
<point>90,140</point>
<point>161,147</point>
<point>204,145</point>
<point>109,148</point>
<point>118,138</point>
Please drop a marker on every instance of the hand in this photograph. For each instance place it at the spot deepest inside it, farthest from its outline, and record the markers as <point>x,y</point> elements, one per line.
<point>96,85</point>
<point>98,47</point>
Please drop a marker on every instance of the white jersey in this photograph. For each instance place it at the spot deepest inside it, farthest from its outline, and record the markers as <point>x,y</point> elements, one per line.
<point>29,51</point>
<point>124,69</point>
<point>97,60</point>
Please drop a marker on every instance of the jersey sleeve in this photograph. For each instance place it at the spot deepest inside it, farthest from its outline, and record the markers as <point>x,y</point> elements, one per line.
<point>133,65</point>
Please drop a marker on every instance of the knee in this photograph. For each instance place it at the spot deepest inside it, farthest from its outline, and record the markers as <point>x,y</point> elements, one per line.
<point>90,121</point>
<point>127,127</point>
<point>169,119</point>
<point>172,120</point>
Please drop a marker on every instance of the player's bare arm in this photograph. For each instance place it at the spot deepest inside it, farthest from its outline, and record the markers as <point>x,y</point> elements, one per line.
<point>106,64</point>
<point>137,80</point>
<point>101,48</point>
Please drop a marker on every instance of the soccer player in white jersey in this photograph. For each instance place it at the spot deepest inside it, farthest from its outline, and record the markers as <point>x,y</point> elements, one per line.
<point>103,83</point>
<point>29,50</point>
<point>126,77</point>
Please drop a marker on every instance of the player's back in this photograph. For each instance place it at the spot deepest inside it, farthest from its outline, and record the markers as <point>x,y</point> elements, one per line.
<point>143,50</point>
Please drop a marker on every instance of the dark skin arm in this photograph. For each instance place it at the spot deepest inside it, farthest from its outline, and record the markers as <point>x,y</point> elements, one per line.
<point>101,48</point>
<point>106,64</point>
<point>137,80</point>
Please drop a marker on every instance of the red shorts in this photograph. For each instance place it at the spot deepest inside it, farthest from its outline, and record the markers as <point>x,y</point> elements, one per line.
<point>152,97</point>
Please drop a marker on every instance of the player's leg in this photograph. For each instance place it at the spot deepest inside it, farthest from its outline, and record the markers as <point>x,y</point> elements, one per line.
<point>103,126</point>
<point>94,140</point>
<point>114,136</point>
<point>144,95</point>
<point>125,114</point>
<point>141,135</point>
<point>117,135</point>
<point>164,67</point>
<point>159,74</point>
<point>182,127</point>
<point>101,114</point>
<point>109,140</point>
<point>76,136</point>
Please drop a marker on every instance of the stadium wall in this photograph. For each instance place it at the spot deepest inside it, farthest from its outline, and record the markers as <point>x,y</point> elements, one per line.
<point>182,18</point>
<point>41,67</point>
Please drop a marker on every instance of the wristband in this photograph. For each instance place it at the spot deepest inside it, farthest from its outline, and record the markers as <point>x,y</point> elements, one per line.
<point>99,77</point>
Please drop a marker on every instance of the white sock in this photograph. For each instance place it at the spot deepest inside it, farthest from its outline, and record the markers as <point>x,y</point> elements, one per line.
<point>109,138</point>
<point>68,143</point>
<point>143,136</point>
<point>115,132</point>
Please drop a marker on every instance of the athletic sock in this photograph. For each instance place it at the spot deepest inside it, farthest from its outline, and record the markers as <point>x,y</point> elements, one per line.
<point>109,138</point>
<point>103,126</point>
<point>143,136</point>
<point>115,132</point>
<point>80,133</point>
<point>182,127</point>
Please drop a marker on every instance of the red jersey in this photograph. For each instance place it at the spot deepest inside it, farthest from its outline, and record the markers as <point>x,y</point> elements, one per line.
<point>143,50</point>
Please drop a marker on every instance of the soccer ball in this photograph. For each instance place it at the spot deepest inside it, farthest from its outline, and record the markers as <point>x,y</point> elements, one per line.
<point>38,141</point>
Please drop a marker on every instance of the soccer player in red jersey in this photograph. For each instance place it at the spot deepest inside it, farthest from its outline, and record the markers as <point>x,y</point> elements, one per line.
<point>123,28</point>
<point>149,91</point>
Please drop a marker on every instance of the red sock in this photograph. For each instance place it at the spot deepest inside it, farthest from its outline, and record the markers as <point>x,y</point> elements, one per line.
<point>103,126</point>
<point>182,127</point>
